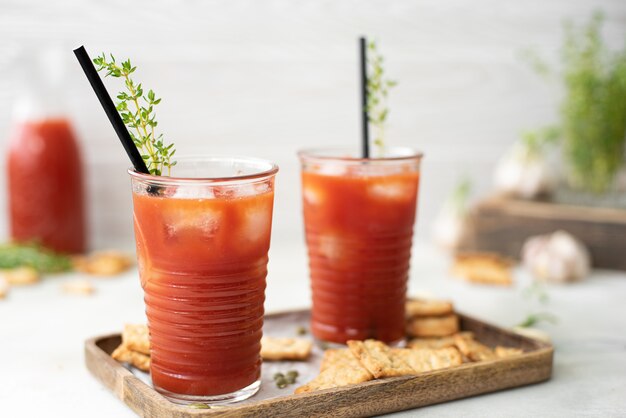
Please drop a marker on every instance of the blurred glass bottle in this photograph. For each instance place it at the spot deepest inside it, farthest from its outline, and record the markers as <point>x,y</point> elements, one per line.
<point>44,167</point>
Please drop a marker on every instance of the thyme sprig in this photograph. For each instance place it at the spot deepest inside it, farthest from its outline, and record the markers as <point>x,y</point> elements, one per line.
<point>378,87</point>
<point>137,112</point>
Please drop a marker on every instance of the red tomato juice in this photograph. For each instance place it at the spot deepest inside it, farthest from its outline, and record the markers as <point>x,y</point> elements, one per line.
<point>359,230</point>
<point>202,264</point>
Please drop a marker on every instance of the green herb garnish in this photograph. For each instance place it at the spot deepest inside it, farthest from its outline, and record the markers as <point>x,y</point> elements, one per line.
<point>284,380</point>
<point>533,319</point>
<point>35,256</point>
<point>291,376</point>
<point>137,112</point>
<point>301,330</point>
<point>378,87</point>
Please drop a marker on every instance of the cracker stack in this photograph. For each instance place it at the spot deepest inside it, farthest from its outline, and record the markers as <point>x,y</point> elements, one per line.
<point>430,318</point>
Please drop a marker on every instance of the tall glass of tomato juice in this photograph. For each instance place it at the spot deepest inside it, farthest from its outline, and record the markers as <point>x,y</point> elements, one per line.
<point>202,242</point>
<point>359,216</point>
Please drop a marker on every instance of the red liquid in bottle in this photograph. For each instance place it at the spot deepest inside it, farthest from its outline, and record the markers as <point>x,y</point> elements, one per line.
<point>45,185</point>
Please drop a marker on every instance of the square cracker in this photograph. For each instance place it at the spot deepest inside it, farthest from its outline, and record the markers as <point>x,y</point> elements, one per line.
<point>417,359</point>
<point>425,359</point>
<point>443,358</point>
<point>137,359</point>
<point>436,342</point>
<point>504,352</point>
<point>378,359</point>
<point>339,368</point>
<point>427,307</point>
<point>437,326</point>
<point>337,375</point>
<point>472,349</point>
<point>484,268</point>
<point>334,356</point>
<point>273,348</point>
<point>136,338</point>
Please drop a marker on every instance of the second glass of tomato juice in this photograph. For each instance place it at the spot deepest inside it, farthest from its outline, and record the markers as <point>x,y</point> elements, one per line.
<point>359,215</point>
<point>202,241</point>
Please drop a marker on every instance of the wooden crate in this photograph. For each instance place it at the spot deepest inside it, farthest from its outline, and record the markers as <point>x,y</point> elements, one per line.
<point>503,224</point>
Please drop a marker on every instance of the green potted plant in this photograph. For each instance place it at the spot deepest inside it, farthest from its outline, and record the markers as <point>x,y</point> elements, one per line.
<point>593,110</point>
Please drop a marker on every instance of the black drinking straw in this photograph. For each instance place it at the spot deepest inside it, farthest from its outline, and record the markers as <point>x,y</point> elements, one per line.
<point>110,110</point>
<point>365,134</point>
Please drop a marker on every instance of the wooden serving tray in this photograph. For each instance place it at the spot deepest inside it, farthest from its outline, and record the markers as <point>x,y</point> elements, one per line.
<point>365,399</point>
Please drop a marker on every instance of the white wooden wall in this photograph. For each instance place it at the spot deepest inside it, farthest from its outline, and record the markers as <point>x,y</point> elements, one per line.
<point>267,77</point>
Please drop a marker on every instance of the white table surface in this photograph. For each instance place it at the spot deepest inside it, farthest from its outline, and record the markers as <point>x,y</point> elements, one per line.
<point>42,332</point>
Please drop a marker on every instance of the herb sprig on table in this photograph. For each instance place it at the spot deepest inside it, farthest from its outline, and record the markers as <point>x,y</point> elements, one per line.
<point>137,112</point>
<point>533,319</point>
<point>35,256</point>
<point>378,87</point>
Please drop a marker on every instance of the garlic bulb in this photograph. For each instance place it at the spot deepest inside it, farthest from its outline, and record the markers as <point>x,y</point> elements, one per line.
<point>450,225</point>
<point>523,172</point>
<point>557,257</point>
<point>449,229</point>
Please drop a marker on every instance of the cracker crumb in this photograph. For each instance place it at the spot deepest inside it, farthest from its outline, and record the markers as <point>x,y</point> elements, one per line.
<point>483,268</point>
<point>534,333</point>
<point>78,287</point>
<point>4,287</point>
<point>21,276</point>
<point>103,263</point>
<point>504,352</point>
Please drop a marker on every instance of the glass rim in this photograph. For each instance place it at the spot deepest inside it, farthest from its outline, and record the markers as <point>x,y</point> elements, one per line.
<point>331,154</point>
<point>261,174</point>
